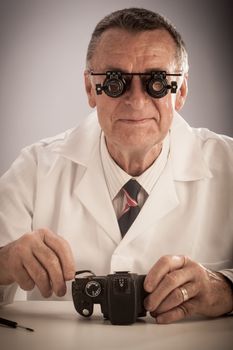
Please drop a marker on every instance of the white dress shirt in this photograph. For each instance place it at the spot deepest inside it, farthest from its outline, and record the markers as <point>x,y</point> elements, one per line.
<point>116,177</point>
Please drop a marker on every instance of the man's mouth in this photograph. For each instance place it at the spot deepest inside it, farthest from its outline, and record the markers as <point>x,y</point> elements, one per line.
<point>136,120</point>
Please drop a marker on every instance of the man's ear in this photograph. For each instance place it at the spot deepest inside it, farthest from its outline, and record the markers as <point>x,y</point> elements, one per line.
<point>182,93</point>
<point>89,89</point>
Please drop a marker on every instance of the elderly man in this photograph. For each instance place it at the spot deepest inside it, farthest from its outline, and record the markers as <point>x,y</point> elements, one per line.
<point>132,188</point>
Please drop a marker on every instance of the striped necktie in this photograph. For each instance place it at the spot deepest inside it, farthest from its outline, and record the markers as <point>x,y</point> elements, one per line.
<point>131,209</point>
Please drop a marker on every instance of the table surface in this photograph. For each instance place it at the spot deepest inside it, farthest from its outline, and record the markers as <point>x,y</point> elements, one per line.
<point>58,326</point>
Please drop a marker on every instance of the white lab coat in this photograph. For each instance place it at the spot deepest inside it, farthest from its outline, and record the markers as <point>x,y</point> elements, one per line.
<point>59,183</point>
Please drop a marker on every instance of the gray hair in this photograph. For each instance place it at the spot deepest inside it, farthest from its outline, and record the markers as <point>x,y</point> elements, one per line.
<point>137,20</point>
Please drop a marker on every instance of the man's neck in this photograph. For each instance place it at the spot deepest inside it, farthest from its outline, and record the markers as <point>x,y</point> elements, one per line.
<point>134,162</point>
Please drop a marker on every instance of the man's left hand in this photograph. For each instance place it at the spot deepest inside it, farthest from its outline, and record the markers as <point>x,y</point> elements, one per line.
<point>180,287</point>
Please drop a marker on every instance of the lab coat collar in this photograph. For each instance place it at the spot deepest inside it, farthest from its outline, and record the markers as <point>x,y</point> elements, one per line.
<point>187,156</point>
<point>79,143</point>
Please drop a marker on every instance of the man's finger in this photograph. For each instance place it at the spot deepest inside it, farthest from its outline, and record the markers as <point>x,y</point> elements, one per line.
<point>39,273</point>
<point>178,296</point>
<point>168,284</point>
<point>162,267</point>
<point>180,312</point>
<point>63,252</point>
<point>50,268</point>
<point>23,278</point>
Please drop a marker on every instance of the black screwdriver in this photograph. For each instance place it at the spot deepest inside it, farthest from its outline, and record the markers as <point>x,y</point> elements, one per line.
<point>13,324</point>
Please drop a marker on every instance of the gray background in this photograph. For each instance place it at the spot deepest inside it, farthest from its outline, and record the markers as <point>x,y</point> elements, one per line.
<point>42,57</point>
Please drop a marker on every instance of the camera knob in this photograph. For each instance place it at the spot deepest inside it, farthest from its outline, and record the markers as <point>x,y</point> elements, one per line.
<point>93,289</point>
<point>85,308</point>
<point>86,312</point>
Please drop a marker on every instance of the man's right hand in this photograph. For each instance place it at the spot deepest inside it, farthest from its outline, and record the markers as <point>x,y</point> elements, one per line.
<point>40,258</point>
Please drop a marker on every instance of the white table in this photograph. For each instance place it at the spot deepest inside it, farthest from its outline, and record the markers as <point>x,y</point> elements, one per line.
<point>58,326</point>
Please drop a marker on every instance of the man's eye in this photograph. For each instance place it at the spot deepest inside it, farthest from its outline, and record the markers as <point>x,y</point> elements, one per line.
<point>114,86</point>
<point>157,86</point>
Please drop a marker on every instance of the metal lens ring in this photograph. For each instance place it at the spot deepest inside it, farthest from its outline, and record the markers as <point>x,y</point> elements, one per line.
<point>114,85</point>
<point>157,86</point>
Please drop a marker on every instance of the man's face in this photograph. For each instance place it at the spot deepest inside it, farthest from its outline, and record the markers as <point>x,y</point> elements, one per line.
<point>134,121</point>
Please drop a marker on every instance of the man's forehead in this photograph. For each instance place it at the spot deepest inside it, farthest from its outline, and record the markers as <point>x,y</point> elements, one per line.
<point>121,33</point>
<point>117,46</point>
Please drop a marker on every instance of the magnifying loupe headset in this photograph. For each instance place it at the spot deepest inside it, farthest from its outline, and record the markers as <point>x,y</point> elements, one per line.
<point>154,83</point>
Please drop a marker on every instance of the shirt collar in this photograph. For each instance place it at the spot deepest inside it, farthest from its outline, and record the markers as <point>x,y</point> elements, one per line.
<point>116,177</point>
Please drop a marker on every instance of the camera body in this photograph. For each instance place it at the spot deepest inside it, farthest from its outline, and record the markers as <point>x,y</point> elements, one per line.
<point>120,296</point>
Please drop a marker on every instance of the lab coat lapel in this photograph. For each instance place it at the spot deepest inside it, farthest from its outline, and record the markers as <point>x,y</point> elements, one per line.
<point>93,192</point>
<point>82,147</point>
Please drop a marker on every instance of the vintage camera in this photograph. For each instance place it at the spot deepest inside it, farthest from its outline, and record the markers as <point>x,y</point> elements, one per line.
<point>120,295</point>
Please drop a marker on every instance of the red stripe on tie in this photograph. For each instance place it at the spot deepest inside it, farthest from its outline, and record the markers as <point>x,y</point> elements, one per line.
<point>130,201</point>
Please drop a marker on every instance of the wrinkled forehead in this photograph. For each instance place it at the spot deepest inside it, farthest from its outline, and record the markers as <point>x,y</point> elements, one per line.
<point>120,48</point>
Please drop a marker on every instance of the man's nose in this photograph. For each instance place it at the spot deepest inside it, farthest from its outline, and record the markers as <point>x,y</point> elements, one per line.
<point>136,96</point>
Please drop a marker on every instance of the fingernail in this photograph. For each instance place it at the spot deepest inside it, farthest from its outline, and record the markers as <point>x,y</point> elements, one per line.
<point>147,305</point>
<point>148,287</point>
<point>48,293</point>
<point>69,275</point>
<point>61,292</point>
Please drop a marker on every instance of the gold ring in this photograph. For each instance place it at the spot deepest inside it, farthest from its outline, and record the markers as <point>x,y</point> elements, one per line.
<point>184,293</point>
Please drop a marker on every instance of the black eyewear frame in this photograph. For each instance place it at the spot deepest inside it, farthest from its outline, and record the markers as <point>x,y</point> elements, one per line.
<point>117,83</point>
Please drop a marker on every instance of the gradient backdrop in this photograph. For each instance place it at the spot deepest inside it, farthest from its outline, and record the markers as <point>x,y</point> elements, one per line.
<point>42,57</point>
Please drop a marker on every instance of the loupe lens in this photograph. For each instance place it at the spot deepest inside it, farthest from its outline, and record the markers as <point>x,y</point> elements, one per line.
<point>157,87</point>
<point>114,87</point>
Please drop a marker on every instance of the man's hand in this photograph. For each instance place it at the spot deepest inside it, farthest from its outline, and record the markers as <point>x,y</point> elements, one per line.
<point>180,287</point>
<point>39,258</point>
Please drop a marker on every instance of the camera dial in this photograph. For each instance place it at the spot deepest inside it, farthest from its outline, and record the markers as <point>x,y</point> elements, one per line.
<point>93,289</point>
